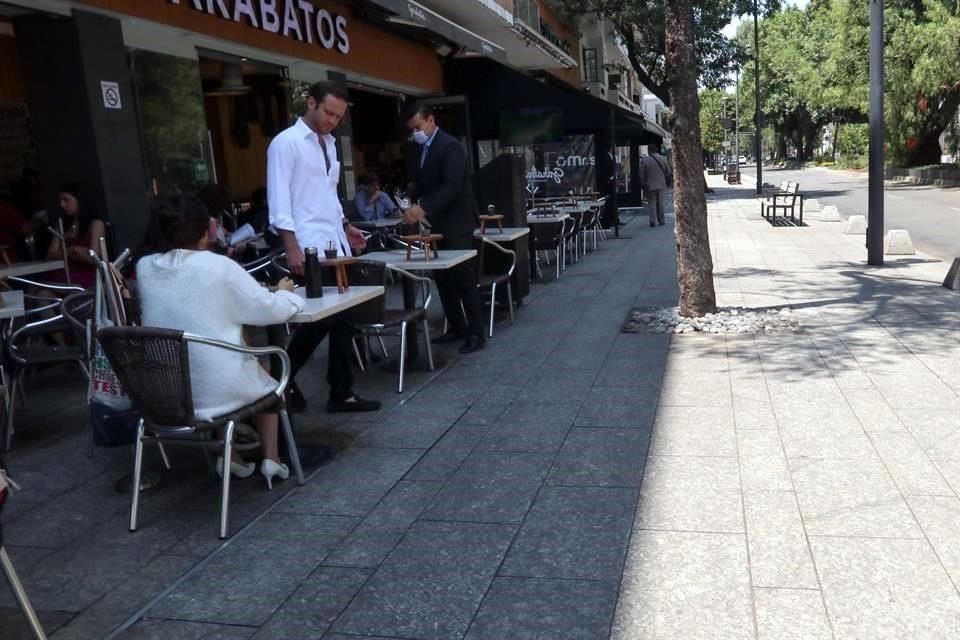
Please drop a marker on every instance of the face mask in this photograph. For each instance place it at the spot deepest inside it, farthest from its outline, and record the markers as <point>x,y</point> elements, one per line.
<point>420,137</point>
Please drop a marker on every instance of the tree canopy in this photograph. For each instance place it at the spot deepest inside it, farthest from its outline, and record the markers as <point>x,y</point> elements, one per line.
<point>815,66</point>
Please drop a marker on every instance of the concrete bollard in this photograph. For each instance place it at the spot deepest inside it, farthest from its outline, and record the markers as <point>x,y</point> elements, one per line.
<point>952,281</point>
<point>829,214</point>
<point>812,205</point>
<point>897,243</point>
<point>856,226</point>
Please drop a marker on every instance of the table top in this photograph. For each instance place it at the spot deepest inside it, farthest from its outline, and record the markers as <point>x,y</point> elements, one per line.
<point>377,224</point>
<point>545,219</point>
<point>508,234</point>
<point>446,258</point>
<point>29,268</point>
<point>12,305</point>
<point>332,302</point>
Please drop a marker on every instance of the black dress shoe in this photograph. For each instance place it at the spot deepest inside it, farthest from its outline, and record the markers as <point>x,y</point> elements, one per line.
<point>473,343</point>
<point>356,404</point>
<point>652,224</point>
<point>662,223</point>
<point>296,403</point>
<point>448,338</point>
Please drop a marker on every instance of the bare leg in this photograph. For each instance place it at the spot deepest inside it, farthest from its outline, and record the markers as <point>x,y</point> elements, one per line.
<point>267,425</point>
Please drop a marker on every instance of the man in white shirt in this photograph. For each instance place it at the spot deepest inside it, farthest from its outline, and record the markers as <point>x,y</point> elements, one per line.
<point>302,177</point>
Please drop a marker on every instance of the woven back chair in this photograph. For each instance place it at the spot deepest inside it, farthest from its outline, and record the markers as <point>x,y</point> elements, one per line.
<point>153,365</point>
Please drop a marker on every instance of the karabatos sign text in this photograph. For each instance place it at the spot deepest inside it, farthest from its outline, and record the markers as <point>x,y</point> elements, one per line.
<point>297,19</point>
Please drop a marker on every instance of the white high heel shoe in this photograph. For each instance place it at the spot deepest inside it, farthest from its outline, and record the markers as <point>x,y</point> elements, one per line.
<point>238,469</point>
<point>269,469</point>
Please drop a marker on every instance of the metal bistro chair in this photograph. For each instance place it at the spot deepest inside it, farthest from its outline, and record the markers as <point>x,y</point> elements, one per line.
<point>6,566</point>
<point>547,237</point>
<point>493,275</point>
<point>153,365</point>
<point>402,318</point>
<point>27,349</point>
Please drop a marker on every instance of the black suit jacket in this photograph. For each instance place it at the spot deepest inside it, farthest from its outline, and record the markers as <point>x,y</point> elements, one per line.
<point>443,187</point>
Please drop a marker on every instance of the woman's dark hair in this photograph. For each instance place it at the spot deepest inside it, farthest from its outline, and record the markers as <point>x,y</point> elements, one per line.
<point>177,222</point>
<point>85,213</point>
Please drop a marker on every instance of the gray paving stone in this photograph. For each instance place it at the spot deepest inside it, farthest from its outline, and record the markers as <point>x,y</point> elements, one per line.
<point>353,483</point>
<point>243,585</point>
<point>521,609</point>
<point>397,433</point>
<point>525,412</point>
<point>432,584</point>
<point>573,533</point>
<point>685,585</point>
<point>951,471</point>
<point>791,614</point>
<point>873,411</point>
<point>690,494</point>
<point>936,430</point>
<point>753,414</point>
<point>779,555</point>
<point>530,438</point>
<point>694,431</point>
<point>558,386</point>
<point>179,630</point>
<point>826,441</point>
<point>939,517</point>
<point>885,589</point>
<point>705,389</point>
<point>618,371</point>
<point>601,457</point>
<point>491,487</point>
<point>446,456</point>
<point>115,607</point>
<point>311,609</point>
<point>618,407</point>
<point>851,498</point>
<point>913,472</point>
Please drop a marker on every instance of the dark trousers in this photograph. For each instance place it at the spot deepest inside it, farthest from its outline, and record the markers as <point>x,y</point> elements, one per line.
<point>309,335</point>
<point>459,286</point>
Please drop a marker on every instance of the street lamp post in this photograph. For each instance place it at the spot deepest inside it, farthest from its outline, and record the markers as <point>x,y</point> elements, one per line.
<point>875,198</point>
<point>757,114</point>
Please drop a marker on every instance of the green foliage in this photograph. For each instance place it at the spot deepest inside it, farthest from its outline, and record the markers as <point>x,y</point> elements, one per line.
<point>640,25</point>
<point>815,72</point>
<point>853,140</point>
<point>711,111</point>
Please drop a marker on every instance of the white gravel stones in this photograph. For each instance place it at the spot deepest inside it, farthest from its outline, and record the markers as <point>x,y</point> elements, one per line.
<point>726,320</point>
<point>856,226</point>
<point>897,243</point>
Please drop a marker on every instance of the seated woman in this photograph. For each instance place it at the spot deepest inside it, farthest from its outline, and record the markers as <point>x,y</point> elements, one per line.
<point>191,289</point>
<point>82,230</point>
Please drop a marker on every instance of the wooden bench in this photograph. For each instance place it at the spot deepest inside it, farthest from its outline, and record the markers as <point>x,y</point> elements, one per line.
<point>784,199</point>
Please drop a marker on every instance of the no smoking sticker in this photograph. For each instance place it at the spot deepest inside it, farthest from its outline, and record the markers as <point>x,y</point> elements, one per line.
<point>111,95</point>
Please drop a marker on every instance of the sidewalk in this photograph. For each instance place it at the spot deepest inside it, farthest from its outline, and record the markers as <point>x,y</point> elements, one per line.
<point>572,481</point>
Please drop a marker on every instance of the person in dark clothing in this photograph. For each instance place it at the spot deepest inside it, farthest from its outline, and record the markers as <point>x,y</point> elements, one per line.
<point>441,185</point>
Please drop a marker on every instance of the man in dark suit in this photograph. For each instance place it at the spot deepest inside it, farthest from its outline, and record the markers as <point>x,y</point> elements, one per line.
<point>441,185</point>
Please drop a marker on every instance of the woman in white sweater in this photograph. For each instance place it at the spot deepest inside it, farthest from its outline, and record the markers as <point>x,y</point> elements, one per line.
<point>191,289</point>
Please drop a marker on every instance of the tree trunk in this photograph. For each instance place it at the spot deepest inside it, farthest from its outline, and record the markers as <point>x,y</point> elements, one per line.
<point>694,262</point>
<point>927,150</point>
<point>836,139</point>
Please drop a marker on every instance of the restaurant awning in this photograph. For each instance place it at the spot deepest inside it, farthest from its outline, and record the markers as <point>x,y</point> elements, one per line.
<point>414,14</point>
<point>491,88</point>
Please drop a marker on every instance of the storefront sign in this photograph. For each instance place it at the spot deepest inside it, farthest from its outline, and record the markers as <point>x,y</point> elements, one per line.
<point>562,168</point>
<point>296,19</point>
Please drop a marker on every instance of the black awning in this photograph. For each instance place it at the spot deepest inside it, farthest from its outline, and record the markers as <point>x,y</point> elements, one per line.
<point>414,14</point>
<point>491,88</point>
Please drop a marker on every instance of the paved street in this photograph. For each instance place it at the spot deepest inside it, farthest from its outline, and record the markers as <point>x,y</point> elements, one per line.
<point>930,214</point>
<point>571,481</point>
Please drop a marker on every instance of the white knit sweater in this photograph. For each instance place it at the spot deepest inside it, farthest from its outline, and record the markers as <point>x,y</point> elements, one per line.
<point>210,295</point>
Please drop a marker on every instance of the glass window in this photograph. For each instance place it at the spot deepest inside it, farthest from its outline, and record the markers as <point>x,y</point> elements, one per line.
<point>527,12</point>
<point>623,169</point>
<point>591,72</point>
<point>176,146</point>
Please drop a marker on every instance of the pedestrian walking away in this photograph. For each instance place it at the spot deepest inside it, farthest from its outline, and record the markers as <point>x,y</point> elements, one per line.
<point>656,176</point>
